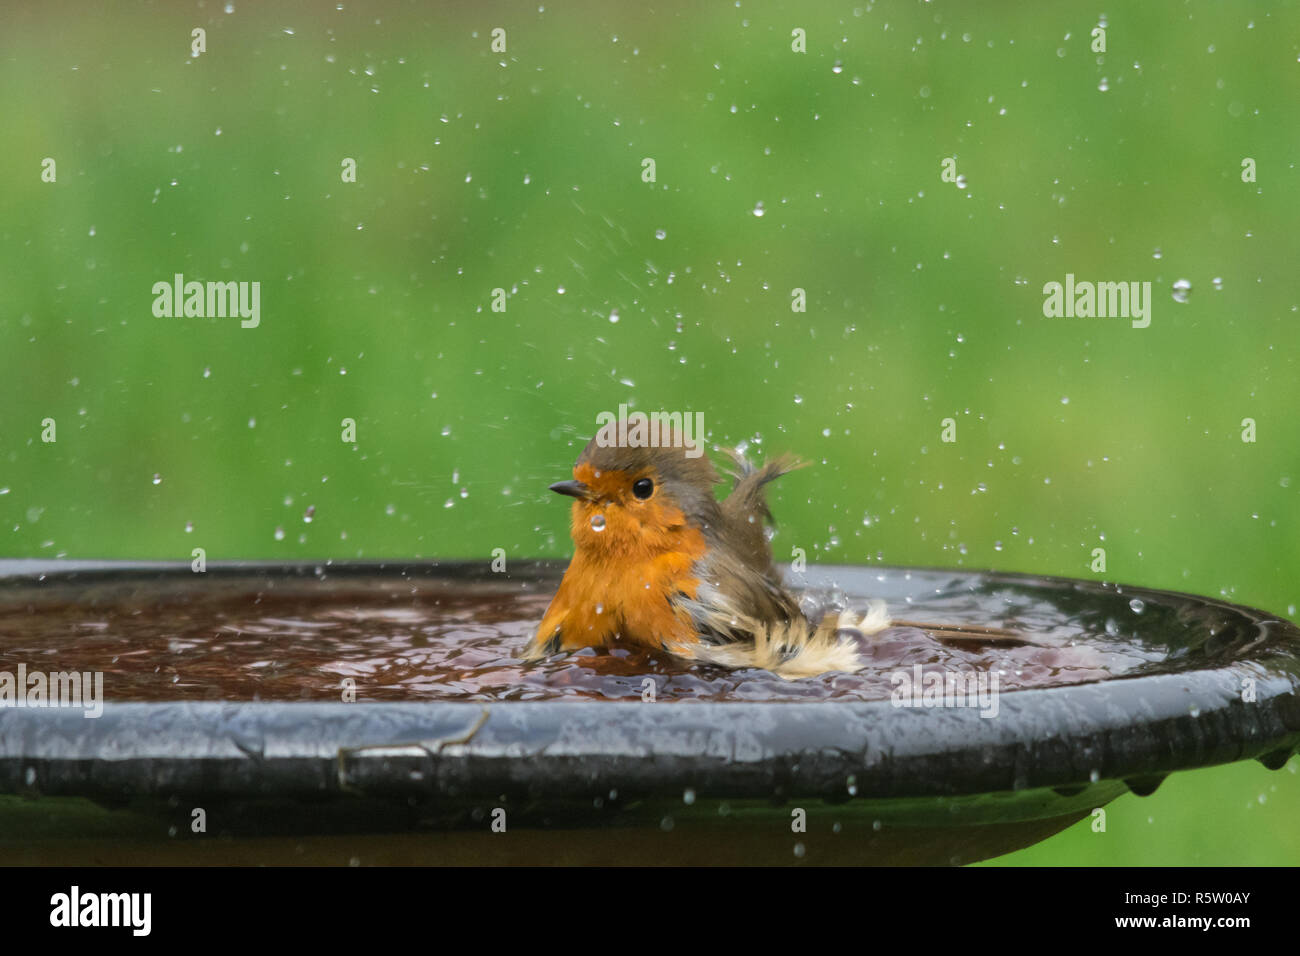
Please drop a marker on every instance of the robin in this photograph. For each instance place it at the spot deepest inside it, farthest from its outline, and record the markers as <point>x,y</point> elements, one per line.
<point>661,563</point>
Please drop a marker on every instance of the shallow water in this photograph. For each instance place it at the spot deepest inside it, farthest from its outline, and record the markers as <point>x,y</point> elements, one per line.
<point>458,641</point>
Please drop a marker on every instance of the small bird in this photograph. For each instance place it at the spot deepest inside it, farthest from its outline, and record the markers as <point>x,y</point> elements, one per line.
<point>661,563</point>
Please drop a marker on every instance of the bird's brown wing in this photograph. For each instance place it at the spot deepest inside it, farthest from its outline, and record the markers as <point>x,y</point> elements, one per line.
<point>739,584</point>
<point>732,598</point>
<point>745,514</point>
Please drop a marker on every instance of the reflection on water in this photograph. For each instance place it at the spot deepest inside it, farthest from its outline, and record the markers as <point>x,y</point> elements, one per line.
<point>414,644</point>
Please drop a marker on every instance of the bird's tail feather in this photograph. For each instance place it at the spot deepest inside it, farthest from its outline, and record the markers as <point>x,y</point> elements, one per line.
<point>797,648</point>
<point>743,468</point>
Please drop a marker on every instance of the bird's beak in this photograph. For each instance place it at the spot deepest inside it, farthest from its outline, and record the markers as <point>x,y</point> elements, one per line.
<point>573,488</point>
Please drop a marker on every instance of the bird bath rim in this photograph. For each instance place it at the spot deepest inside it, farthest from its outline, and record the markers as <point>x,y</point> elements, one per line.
<point>1133,729</point>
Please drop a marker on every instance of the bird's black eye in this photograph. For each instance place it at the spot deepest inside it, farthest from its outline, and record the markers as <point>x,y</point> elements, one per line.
<point>643,487</point>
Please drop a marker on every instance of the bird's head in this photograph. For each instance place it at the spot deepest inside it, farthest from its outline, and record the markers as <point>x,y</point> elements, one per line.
<point>639,500</point>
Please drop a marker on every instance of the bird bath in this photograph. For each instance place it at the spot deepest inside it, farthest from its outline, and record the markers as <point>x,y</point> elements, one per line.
<point>321,713</point>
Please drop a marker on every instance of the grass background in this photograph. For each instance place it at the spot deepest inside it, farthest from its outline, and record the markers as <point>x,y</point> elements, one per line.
<point>522,170</point>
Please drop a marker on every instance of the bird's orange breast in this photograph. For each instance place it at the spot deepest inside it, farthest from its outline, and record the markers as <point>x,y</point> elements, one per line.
<point>613,596</point>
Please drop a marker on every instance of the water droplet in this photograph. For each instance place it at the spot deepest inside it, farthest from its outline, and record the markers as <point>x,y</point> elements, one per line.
<point>799,851</point>
<point>1104,85</point>
<point>157,479</point>
<point>1138,605</point>
<point>1182,288</point>
<point>1094,776</point>
<point>309,514</point>
<point>597,522</point>
<point>613,316</point>
<point>758,210</point>
<point>189,527</point>
<point>688,796</point>
<point>279,533</point>
<point>838,67</point>
<point>1217,282</point>
<point>661,234</point>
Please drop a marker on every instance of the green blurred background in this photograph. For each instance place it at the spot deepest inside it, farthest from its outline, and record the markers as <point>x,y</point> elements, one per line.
<point>522,170</point>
